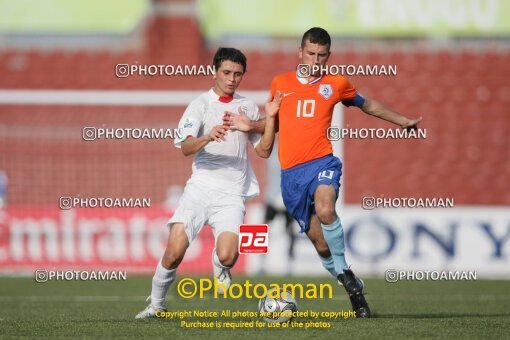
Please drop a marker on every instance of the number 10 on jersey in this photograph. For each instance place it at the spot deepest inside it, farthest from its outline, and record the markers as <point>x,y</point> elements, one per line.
<point>305,108</point>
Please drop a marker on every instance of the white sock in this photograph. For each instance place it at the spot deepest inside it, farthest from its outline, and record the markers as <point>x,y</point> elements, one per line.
<point>161,281</point>
<point>217,262</point>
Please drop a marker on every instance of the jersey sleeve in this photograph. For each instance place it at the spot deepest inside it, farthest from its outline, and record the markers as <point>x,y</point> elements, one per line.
<point>346,89</point>
<point>190,123</point>
<point>349,96</point>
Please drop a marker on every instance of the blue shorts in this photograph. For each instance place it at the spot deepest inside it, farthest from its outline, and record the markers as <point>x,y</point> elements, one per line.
<point>300,182</point>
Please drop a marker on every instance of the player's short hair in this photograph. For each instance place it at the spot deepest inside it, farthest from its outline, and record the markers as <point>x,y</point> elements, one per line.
<point>316,35</point>
<point>228,53</point>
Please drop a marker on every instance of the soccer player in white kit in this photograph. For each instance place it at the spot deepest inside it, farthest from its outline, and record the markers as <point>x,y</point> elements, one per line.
<point>222,178</point>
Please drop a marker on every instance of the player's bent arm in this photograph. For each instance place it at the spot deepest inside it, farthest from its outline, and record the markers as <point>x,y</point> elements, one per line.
<point>192,145</point>
<point>272,107</point>
<point>258,126</point>
<point>377,109</point>
<point>243,123</point>
<point>265,146</point>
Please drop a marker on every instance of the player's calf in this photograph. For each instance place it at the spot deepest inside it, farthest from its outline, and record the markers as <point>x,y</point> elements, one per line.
<point>221,273</point>
<point>165,272</point>
<point>224,257</point>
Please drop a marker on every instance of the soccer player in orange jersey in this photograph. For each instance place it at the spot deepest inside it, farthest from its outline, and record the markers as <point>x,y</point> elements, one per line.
<point>310,173</point>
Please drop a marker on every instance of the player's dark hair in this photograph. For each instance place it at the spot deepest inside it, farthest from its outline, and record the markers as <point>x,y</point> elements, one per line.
<point>316,35</point>
<point>228,53</point>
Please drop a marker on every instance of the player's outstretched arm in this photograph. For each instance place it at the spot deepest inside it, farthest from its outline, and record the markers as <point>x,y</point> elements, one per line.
<point>272,107</point>
<point>192,145</point>
<point>377,109</point>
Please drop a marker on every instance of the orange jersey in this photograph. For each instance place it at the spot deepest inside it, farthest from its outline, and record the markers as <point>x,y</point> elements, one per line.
<point>305,115</point>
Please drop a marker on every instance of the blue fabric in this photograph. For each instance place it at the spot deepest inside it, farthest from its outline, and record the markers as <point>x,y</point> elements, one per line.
<point>334,236</point>
<point>329,264</point>
<point>358,101</point>
<point>300,182</point>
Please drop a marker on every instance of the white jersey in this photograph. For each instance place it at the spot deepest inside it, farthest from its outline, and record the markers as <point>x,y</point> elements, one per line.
<point>223,166</point>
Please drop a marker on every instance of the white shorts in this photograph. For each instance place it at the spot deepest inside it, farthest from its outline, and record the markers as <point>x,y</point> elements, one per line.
<point>199,206</point>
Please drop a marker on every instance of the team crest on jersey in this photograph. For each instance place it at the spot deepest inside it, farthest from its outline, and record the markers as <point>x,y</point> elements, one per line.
<point>325,90</point>
<point>243,109</point>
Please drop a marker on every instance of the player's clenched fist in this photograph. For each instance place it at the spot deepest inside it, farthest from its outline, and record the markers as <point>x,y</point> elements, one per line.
<point>218,133</point>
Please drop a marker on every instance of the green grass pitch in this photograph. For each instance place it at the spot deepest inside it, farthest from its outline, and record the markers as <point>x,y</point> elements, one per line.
<point>64,309</point>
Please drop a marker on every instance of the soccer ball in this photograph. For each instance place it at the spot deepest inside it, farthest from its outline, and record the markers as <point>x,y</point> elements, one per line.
<point>277,307</point>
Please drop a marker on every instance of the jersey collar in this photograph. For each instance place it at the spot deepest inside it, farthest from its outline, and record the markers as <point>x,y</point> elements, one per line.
<point>303,80</point>
<point>221,99</point>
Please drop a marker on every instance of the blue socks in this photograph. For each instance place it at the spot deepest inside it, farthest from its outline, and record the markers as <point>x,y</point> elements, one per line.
<point>329,265</point>
<point>334,236</point>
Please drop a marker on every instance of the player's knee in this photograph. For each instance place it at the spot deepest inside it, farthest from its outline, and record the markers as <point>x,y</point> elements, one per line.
<point>227,257</point>
<point>326,213</point>
<point>172,259</point>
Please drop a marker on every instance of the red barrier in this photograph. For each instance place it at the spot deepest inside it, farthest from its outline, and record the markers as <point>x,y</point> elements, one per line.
<point>92,239</point>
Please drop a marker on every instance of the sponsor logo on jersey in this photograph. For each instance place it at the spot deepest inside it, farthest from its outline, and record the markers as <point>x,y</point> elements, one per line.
<point>188,123</point>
